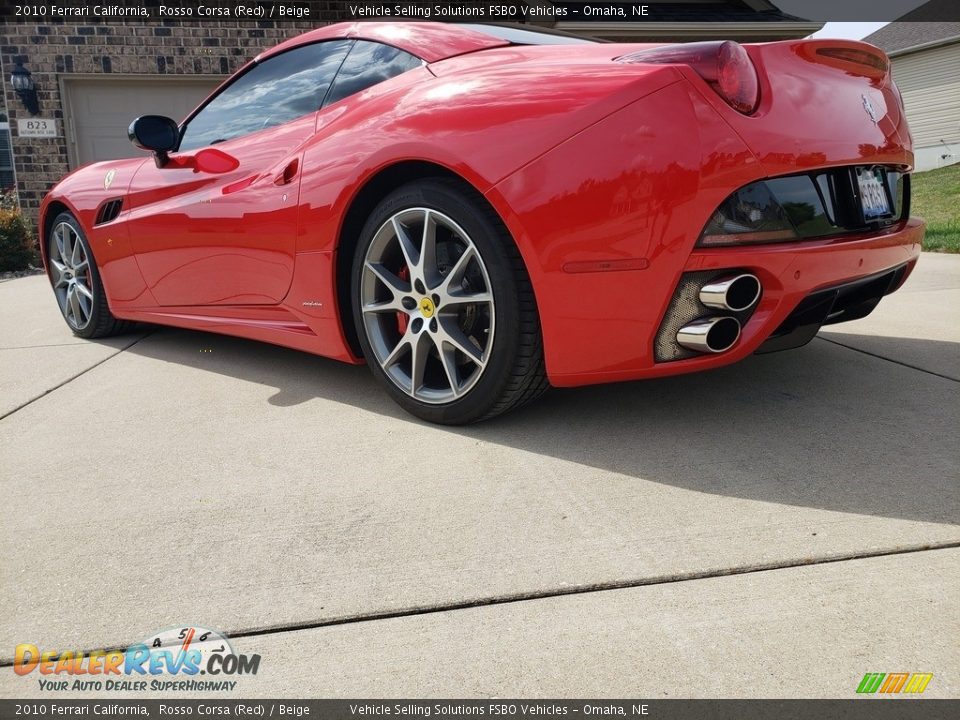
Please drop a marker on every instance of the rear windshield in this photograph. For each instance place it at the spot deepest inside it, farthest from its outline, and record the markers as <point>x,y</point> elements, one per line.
<point>518,36</point>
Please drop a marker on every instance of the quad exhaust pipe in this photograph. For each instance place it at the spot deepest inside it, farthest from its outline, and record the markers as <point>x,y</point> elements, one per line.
<point>709,335</point>
<point>734,293</point>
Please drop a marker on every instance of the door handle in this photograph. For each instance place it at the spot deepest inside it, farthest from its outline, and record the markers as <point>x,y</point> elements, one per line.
<point>289,173</point>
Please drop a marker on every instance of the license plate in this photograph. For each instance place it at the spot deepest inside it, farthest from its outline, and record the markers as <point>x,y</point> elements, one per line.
<point>873,193</point>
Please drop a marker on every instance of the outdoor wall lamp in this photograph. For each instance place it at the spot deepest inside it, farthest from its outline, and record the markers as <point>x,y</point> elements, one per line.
<point>25,89</point>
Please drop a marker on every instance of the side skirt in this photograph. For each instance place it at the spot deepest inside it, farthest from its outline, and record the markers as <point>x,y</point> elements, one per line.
<point>274,324</point>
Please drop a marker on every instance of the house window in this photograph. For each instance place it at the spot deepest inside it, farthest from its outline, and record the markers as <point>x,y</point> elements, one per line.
<point>7,179</point>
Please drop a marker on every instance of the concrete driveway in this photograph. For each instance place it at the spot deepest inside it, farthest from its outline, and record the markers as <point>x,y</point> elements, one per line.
<point>775,529</point>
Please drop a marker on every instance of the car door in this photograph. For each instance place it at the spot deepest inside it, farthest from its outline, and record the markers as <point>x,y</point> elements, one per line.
<point>229,237</point>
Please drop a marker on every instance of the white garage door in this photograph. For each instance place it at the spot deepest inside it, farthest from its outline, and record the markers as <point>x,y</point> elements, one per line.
<point>99,110</point>
<point>930,85</point>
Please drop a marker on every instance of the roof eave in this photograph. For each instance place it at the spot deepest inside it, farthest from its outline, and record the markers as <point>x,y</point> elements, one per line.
<point>784,29</point>
<point>924,46</point>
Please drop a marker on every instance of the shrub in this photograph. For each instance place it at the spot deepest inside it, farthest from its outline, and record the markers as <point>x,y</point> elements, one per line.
<point>17,249</point>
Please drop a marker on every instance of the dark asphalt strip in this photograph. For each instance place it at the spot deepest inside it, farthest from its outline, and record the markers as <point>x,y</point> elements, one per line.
<point>559,592</point>
<point>73,377</point>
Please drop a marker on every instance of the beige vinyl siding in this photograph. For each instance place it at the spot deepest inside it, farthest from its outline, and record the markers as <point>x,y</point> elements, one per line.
<point>930,83</point>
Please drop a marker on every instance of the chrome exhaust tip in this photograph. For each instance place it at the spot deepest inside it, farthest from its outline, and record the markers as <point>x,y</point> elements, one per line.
<point>735,293</point>
<point>709,335</point>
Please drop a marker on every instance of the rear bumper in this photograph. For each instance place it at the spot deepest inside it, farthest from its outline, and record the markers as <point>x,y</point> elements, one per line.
<point>607,224</point>
<point>841,303</point>
<point>789,273</point>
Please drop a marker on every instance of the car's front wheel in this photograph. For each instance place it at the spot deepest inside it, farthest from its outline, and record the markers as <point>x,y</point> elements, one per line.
<point>443,306</point>
<point>76,281</point>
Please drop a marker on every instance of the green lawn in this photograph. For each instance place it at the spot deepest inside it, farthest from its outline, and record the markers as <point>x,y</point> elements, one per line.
<point>936,198</point>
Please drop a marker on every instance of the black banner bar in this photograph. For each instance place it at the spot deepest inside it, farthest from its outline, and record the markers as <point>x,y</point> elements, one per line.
<point>873,708</point>
<point>535,11</point>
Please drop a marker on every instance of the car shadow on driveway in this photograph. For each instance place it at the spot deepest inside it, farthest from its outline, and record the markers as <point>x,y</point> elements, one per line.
<point>823,426</point>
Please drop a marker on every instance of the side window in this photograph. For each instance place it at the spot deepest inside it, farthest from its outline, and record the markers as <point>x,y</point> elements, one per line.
<point>367,64</point>
<point>280,89</point>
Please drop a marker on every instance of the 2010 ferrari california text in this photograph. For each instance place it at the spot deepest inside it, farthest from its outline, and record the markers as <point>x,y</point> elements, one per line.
<point>480,211</point>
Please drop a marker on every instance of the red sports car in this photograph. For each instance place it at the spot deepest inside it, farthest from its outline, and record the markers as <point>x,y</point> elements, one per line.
<point>480,211</point>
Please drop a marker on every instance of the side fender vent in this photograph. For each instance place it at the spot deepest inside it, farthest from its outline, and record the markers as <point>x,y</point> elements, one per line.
<point>108,211</point>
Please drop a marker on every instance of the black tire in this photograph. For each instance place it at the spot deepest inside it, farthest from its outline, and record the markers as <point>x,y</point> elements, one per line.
<point>514,373</point>
<point>100,322</point>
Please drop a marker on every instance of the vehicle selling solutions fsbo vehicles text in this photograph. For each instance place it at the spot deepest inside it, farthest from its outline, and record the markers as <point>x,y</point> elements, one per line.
<point>497,12</point>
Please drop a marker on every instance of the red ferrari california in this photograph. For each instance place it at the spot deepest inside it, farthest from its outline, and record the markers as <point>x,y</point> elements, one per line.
<point>478,212</point>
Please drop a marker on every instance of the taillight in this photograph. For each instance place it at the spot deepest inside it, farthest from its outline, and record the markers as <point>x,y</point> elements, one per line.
<point>737,78</point>
<point>856,56</point>
<point>812,205</point>
<point>751,215</point>
<point>725,65</point>
<point>853,58</point>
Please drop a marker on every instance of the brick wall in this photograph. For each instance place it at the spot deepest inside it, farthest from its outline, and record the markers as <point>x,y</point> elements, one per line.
<point>52,50</point>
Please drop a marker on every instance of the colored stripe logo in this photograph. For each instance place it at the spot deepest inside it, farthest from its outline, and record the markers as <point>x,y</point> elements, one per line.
<point>893,683</point>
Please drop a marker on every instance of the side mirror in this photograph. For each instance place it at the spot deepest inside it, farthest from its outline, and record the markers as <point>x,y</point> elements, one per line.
<point>155,133</point>
<point>214,161</point>
<point>207,160</point>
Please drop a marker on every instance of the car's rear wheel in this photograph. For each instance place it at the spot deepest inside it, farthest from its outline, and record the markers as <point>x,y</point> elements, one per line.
<point>443,306</point>
<point>76,281</point>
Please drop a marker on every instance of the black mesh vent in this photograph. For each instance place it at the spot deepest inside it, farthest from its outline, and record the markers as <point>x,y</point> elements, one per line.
<point>684,307</point>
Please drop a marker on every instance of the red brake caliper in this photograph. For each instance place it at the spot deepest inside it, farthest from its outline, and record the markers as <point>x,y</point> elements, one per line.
<point>402,317</point>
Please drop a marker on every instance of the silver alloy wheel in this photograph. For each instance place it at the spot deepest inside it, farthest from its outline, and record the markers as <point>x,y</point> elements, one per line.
<point>427,305</point>
<point>72,281</point>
